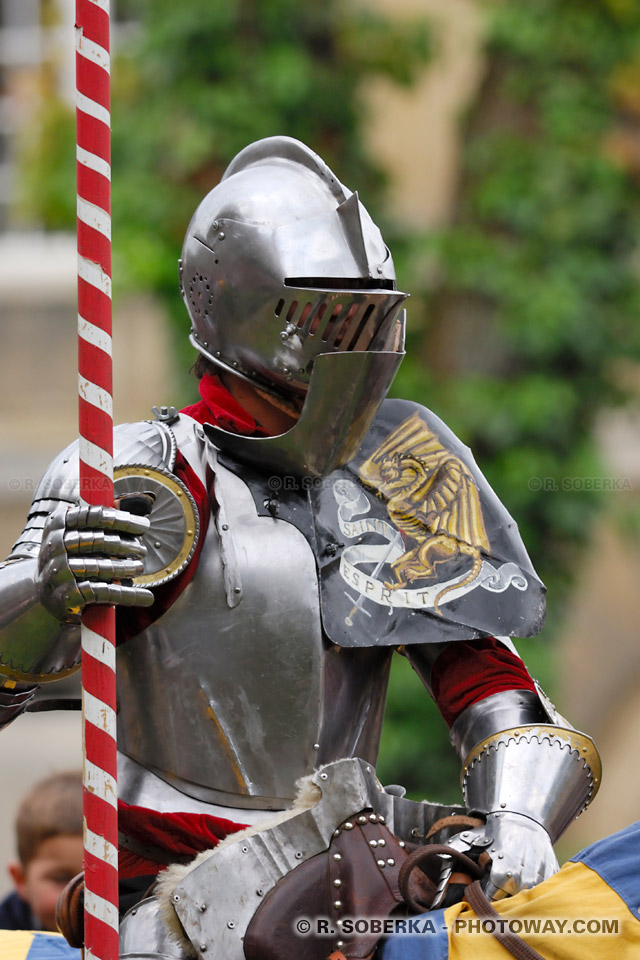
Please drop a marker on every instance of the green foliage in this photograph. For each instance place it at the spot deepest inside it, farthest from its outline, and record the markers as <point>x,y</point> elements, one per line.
<point>542,251</point>
<point>203,79</point>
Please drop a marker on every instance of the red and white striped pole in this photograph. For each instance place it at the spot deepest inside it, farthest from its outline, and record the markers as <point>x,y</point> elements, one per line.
<point>93,138</point>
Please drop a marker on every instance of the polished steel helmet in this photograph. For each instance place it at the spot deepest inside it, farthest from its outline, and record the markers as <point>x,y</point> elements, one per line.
<point>282,263</point>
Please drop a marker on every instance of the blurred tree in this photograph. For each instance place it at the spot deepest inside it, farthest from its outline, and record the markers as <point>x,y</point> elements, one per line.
<point>530,300</point>
<point>205,78</point>
<point>535,298</point>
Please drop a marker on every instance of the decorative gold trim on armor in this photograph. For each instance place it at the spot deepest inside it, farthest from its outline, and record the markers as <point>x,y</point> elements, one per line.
<point>580,744</point>
<point>22,677</point>
<point>175,524</point>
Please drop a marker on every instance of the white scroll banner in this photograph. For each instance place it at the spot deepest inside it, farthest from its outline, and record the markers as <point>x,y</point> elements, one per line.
<point>352,501</point>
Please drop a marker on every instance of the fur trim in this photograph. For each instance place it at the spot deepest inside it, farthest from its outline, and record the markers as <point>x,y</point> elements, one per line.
<point>307,796</point>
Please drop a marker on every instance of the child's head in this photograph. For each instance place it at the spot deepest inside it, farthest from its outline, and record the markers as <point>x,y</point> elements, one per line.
<point>49,840</point>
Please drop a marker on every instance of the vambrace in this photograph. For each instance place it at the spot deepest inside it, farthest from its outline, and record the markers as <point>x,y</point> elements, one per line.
<point>517,758</point>
<point>529,775</point>
<point>35,645</point>
<point>546,773</point>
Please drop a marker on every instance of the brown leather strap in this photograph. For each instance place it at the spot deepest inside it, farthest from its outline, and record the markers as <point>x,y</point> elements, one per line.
<point>455,820</point>
<point>517,947</point>
<point>419,858</point>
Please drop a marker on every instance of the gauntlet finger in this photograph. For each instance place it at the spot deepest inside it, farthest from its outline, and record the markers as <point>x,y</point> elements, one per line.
<point>105,518</point>
<point>94,569</point>
<point>80,542</point>
<point>114,593</point>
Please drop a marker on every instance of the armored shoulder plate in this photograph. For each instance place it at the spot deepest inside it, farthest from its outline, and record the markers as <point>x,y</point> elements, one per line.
<point>411,542</point>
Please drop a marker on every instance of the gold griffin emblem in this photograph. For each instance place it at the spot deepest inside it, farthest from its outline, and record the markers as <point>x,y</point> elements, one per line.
<point>432,498</point>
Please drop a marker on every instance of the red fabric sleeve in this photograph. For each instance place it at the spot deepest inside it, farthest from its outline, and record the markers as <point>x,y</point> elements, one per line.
<point>180,835</point>
<point>468,672</point>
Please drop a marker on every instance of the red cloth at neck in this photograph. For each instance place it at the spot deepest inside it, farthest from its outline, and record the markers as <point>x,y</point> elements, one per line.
<point>220,408</point>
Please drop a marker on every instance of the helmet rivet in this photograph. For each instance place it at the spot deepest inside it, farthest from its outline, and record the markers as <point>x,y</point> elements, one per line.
<point>221,236</point>
<point>205,343</point>
<point>284,335</point>
<point>218,354</point>
<point>235,363</point>
<point>215,224</point>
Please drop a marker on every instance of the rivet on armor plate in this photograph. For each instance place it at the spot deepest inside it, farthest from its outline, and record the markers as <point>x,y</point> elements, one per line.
<point>176,898</point>
<point>260,893</point>
<point>316,746</point>
<point>373,818</point>
<point>391,862</point>
<point>402,844</point>
<point>348,825</point>
<point>203,907</point>
<point>381,864</point>
<point>340,943</point>
<point>337,883</point>
<point>373,843</point>
<point>231,924</point>
<point>381,819</point>
<point>225,526</point>
<point>336,833</point>
<point>298,855</point>
<point>382,842</point>
<point>203,947</point>
<point>362,819</point>
<point>337,856</point>
<point>337,904</point>
<point>245,849</point>
<point>324,776</point>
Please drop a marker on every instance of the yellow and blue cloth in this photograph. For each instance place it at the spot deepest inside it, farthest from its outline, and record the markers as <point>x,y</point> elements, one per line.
<point>35,945</point>
<point>601,883</point>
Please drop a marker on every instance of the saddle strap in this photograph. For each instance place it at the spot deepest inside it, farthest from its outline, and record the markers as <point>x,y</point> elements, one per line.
<point>517,947</point>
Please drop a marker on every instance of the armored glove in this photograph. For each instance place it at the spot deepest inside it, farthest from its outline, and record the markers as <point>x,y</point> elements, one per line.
<point>520,849</point>
<point>530,782</point>
<point>87,555</point>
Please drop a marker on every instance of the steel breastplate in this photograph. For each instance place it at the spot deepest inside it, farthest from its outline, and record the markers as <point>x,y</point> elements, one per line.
<point>235,693</point>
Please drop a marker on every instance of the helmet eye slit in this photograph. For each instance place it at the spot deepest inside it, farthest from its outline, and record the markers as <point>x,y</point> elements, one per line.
<point>332,326</point>
<point>306,314</point>
<point>352,327</point>
<point>363,333</point>
<point>291,312</point>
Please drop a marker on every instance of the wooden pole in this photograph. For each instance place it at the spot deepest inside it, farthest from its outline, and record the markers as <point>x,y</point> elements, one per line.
<point>93,146</point>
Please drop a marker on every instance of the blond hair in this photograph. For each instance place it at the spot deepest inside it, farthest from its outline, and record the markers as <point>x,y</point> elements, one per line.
<point>52,808</point>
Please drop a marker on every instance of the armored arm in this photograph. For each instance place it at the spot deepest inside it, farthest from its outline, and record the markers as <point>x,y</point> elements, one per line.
<point>67,556</point>
<point>524,767</point>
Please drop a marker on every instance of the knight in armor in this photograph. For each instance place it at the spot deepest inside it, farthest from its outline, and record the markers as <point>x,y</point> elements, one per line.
<point>302,528</point>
